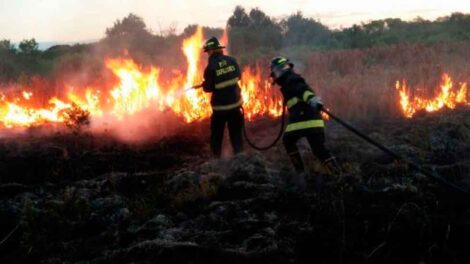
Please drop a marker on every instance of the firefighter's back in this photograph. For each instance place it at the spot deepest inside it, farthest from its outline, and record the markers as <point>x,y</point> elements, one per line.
<point>226,94</point>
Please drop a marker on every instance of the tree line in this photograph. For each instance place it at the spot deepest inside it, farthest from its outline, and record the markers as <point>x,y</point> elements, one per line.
<point>252,34</point>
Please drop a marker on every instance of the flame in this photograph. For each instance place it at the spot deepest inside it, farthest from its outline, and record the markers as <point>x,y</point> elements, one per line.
<point>138,88</point>
<point>14,114</point>
<point>259,98</point>
<point>446,97</point>
<point>197,99</point>
<point>224,39</point>
<point>27,95</point>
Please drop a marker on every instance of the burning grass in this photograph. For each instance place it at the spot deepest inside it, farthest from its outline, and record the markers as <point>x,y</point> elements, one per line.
<point>133,93</point>
<point>358,84</point>
<point>87,196</point>
<point>361,84</point>
<point>446,97</point>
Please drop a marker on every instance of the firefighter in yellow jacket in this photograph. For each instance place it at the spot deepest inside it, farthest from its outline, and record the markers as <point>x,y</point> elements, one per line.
<point>304,119</point>
<point>221,78</point>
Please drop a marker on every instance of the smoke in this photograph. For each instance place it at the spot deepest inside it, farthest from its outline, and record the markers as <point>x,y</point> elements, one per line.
<point>147,125</point>
<point>77,73</point>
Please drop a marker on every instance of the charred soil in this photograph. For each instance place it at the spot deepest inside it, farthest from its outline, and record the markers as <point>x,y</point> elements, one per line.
<point>89,199</point>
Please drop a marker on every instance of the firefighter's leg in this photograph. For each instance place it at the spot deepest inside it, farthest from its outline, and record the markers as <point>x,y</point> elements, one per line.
<point>333,167</point>
<point>317,143</point>
<point>290,144</point>
<point>217,132</point>
<point>235,126</point>
<point>296,182</point>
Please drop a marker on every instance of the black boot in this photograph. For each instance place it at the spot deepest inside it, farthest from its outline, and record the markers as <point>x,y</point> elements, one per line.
<point>296,182</point>
<point>296,160</point>
<point>332,167</point>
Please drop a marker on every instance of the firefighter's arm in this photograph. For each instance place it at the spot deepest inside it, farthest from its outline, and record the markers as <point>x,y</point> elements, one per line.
<point>303,91</point>
<point>208,84</point>
<point>308,95</point>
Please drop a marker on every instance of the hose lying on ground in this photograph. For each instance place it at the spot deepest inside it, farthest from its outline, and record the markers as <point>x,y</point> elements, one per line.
<point>281,131</point>
<point>394,155</point>
<point>397,157</point>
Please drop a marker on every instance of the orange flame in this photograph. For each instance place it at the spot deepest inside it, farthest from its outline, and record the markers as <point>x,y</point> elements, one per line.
<point>446,97</point>
<point>138,89</point>
<point>224,39</point>
<point>259,98</point>
<point>197,99</point>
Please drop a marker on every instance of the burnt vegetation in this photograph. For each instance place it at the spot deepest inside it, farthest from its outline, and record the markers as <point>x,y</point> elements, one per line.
<point>87,198</point>
<point>84,198</point>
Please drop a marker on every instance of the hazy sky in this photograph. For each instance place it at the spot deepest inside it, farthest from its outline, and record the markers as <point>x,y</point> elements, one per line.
<point>78,20</point>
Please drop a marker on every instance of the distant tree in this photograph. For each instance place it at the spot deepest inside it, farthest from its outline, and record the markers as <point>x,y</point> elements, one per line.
<point>131,35</point>
<point>394,23</point>
<point>29,56</point>
<point>29,48</point>
<point>268,33</point>
<point>458,17</point>
<point>259,19</point>
<point>304,31</point>
<point>9,68</point>
<point>7,47</point>
<point>357,37</point>
<point>375,27</point>
<point>253,32</point>
<point>131,24</point>
<point>239,18</point>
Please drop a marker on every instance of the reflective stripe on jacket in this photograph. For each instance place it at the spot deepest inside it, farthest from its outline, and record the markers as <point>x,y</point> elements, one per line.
<point>296,94</point>
<point>227,107</point>
<point>304,125</point>
<point>221,78</point>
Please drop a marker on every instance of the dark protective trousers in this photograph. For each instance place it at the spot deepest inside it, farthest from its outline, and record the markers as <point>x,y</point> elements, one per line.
<point>316,142</point>
<point>234,120</point>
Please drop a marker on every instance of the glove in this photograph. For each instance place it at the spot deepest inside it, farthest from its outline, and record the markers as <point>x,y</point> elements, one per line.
<point>315,103</point>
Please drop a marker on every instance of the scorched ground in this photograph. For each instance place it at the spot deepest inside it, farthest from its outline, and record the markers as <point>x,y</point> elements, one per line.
<point>84,198</point>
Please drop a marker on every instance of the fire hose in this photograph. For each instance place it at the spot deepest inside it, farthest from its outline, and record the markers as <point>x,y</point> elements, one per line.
<point>369,140</point>
<point>193,87</point>
<point>281,131</point>
<point>396,156</point>
<point>245,134</point>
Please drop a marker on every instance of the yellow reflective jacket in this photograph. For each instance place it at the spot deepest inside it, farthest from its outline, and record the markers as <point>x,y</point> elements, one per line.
<point>297,93</point>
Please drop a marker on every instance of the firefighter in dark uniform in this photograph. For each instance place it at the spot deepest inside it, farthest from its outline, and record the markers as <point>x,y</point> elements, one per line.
<point>305,119</point>
<point>221,78</point>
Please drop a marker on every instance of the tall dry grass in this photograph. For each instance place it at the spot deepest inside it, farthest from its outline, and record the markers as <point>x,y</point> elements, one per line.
<point>360,84</point>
